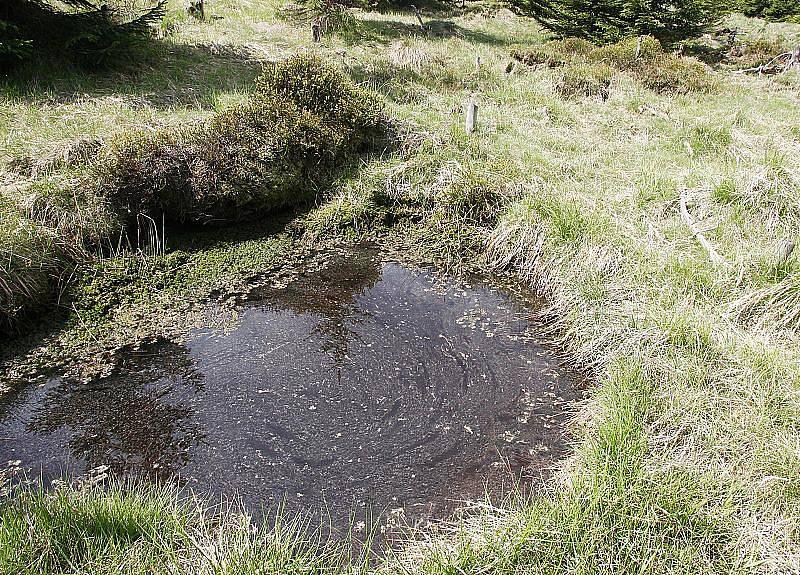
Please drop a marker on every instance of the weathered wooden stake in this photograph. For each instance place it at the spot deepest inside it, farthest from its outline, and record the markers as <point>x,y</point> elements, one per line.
<point>477,63</point>
<point>472,115</point>
<point>316,31</point>
<point>784,251</point>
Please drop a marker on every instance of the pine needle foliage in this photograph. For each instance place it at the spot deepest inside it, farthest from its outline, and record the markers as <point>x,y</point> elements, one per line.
<point>91,34</point>
<point>607,21</point>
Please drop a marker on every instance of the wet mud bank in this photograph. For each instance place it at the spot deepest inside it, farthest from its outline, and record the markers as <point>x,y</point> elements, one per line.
<point>349,385</point>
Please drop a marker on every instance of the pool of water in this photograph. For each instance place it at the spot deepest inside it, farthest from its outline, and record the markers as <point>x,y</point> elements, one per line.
<point>353,383</point>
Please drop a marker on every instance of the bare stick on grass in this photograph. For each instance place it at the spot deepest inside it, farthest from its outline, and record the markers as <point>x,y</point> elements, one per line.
<point>707,245</point>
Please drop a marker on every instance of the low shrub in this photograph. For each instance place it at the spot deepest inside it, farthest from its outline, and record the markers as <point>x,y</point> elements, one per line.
<point>628,53</point>
<point>539,56</point>
<point>664,73</point>
<point>585,79</point>
<point>643,57</point>
<point>553,54</point>
<point>572,46</point>
<point>668,74</point>
<point>754,52</point>
<point>305,122</point>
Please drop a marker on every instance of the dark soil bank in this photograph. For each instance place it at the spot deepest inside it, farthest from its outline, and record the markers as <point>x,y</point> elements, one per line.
<point>354,384</point>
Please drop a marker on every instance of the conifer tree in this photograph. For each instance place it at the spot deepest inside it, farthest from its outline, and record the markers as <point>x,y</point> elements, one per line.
<point>605,21</point>
<point>771,9</point>
<point>84,31</point>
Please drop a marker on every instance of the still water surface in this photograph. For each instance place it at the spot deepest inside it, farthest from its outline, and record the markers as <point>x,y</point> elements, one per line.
<point>357,383</point>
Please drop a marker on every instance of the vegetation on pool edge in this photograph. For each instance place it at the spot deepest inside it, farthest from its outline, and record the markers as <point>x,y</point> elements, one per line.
<point>686,457</point>
<point>305,124</point>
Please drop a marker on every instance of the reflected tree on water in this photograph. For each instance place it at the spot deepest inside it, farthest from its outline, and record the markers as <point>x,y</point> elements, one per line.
<point>137,421</point>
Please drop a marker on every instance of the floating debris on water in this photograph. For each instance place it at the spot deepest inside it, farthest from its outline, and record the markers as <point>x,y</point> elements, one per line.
<point>352,384</point>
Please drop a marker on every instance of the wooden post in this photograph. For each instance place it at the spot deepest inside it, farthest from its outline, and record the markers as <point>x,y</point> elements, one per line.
<point>316,31</point>
<point>477,63</point>
<point>784,251</point>
<point>472,114</point>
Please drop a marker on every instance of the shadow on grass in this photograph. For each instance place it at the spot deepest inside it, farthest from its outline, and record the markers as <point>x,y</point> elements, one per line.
<point>168,76</point>
<point>387,31</point>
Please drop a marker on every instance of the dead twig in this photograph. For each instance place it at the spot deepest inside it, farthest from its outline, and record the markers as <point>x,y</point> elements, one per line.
<point>713,254</point>
<point>418,14</point>
<point>778,65</point>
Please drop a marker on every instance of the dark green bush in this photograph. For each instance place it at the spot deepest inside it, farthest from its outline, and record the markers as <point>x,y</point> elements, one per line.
<point>85,31</point>
<point>770,9</point>
<point>305,122</point>
<point>606,21</point>
<point>14,47</point>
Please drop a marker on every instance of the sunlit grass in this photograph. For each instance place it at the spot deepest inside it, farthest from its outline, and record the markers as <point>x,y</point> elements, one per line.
<point>687,453</point>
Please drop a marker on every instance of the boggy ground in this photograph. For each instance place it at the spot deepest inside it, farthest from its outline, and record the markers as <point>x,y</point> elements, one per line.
<point>580,180</point>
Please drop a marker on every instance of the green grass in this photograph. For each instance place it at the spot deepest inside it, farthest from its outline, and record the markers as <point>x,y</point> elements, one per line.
<point>125,528</point>
<point>686,453</point>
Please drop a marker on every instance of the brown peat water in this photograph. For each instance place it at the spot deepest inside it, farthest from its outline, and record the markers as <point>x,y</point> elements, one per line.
<point>355,384</point>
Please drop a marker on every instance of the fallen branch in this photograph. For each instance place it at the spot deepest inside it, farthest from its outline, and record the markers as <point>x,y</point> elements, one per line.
<point>419,17</point>
<point>713,254</point>
<point>778,65</point>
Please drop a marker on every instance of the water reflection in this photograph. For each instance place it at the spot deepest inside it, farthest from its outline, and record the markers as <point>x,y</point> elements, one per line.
<point>137,421</point>
<point>356,382</point>
<point>328,290</point>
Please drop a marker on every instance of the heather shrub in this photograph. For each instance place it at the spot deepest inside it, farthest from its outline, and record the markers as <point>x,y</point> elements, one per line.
<point>627,53</point>
<point>753,52</point>
<point>572,46</point>
<point>305,122</point>
<point>539,56</point>
<point>668,74</point>
<point>585,79</point>
<point>664,73</point>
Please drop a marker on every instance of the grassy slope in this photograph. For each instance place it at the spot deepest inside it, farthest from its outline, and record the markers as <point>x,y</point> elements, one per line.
<point>688,454</point>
